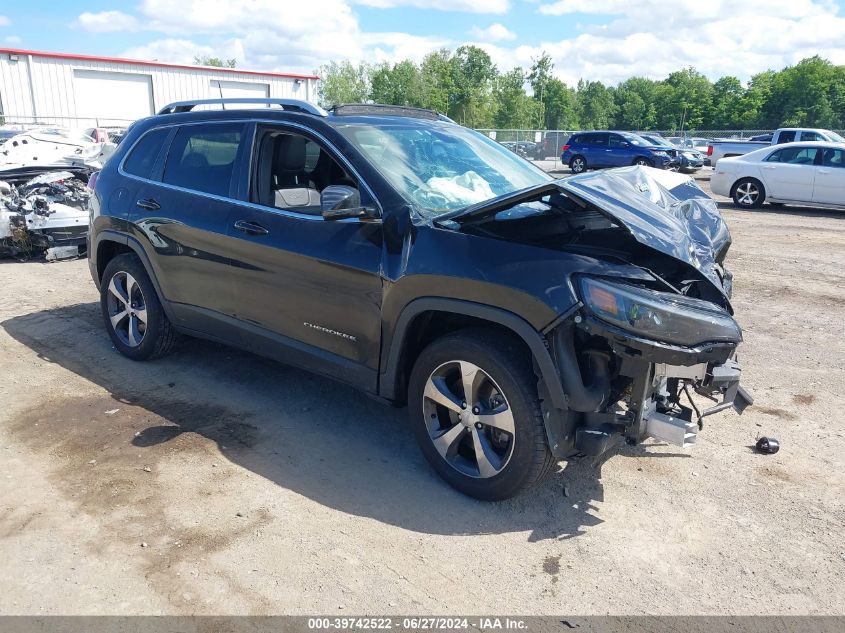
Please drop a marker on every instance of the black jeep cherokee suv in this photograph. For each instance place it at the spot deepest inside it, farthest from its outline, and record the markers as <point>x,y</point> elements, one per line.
<point>522,319</point>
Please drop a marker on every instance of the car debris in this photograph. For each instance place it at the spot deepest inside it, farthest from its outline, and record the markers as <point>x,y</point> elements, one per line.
<point>47,214</point>
<point>50,149</point>
<point>767,445</point>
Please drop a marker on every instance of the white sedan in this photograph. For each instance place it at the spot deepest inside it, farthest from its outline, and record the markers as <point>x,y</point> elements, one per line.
<point>794,173</point>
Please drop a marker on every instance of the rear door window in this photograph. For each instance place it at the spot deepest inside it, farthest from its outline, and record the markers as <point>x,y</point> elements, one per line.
<point>202,157</point>
<point>142,157</point>
<point>793,156</point>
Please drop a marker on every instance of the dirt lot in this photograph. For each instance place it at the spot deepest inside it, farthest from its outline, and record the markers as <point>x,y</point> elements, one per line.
<point>216,482</point>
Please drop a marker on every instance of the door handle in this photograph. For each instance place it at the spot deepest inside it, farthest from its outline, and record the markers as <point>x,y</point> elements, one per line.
<point>251,228</point>
<point>149,204</point>
<point>769,167</point>
<point>824,171</point>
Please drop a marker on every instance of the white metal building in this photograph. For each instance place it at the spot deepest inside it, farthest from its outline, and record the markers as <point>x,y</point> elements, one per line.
<point>83,90</point>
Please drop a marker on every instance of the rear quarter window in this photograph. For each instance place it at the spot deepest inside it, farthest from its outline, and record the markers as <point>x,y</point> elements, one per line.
<point>142,157</point>
<point>202,157</point>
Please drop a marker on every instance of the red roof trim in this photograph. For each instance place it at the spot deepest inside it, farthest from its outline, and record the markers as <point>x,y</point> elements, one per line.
<point>144,62</point>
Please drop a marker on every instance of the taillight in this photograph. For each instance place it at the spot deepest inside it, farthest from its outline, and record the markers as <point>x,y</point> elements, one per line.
<point>709,150</point>
<point>564,148</point>
<point>92,180</point>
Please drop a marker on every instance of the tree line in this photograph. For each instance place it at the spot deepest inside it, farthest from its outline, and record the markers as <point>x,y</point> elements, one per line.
<point>468,87</point>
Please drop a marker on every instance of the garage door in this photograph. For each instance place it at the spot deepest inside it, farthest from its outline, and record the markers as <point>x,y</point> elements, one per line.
<point>112,97</point>
<point>236,89</point>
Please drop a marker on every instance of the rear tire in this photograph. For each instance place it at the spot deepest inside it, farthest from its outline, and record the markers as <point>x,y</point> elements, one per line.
<point>490,444</point>
<point>749,193</point>
<point>578,165</point>
<point>132,312</point>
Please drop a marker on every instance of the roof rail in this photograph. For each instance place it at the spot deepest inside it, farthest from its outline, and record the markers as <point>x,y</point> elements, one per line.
<point>294,105</point>
<point>353,109</point>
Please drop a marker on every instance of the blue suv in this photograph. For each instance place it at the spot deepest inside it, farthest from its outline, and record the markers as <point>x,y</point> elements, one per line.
<point>589,150</point>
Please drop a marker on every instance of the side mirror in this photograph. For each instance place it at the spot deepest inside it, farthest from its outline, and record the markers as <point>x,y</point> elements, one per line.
<point>339,202</point>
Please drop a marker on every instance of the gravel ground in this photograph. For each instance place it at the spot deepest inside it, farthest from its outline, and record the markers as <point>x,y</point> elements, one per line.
<point>214,482</point>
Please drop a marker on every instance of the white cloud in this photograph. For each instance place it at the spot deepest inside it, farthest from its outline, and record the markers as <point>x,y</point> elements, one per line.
<point>649,37</point>
<point>268,36</point>
<point>178,51</point>
<point>4,21</point>
<point>14,40</point>
<point>493,33</point>
<point>469,6</point>
<point>653,38</point>
<point>393,47</point>
<point>107,22</point>
<point>686,10</point>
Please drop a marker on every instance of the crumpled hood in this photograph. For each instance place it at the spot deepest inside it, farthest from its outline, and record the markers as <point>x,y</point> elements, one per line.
<point>663,210</point>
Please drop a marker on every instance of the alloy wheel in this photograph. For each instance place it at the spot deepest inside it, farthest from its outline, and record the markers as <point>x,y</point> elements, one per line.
<point>747,193</point>
<point>469,420</point>
<point>127,309</point>
<point>578,165</point>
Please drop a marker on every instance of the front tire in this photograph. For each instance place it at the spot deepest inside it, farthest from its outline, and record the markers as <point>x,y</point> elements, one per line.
<point>476,414</point>
<point>578,165</point>
<point>132,312</point>
<point>749,193</point>
<point>642,162</point>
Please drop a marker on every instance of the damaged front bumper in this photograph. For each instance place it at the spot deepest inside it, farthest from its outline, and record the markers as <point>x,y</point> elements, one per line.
<point>620,386</point>
<point>663,416</point>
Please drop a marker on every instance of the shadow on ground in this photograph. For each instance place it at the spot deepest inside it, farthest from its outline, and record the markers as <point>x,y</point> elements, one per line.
<point>790,210</point>
<point>310,435</point>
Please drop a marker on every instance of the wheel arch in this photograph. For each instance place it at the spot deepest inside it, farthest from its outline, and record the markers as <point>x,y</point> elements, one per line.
<point>427,318</point>
<point>110,244</point>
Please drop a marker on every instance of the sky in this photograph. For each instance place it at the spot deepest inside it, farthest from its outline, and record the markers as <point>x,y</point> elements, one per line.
<point>606,40</point>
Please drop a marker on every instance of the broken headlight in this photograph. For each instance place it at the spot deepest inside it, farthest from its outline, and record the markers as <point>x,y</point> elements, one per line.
<point>661,316</point>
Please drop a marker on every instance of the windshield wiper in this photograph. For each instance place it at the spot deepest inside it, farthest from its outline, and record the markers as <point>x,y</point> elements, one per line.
<point>500,203</point>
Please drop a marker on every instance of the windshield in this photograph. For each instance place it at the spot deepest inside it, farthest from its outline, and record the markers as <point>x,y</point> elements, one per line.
<point>658,140</point>
<point>835,137</point>
<point>441,166</point>
<point>633,139</point>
